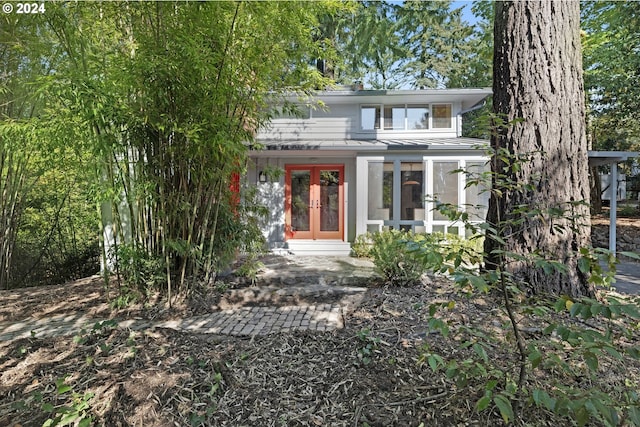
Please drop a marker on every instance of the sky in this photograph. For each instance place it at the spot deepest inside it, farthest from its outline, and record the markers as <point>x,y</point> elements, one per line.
<point>467,15</point>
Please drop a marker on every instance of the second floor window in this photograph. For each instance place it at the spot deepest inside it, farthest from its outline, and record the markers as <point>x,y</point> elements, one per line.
<point>370,117</point>
<point>405,117</point>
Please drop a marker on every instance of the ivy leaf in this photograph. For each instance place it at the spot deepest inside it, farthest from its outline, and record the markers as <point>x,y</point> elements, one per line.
<point>504,406</point>
<point>591,360</point>
<point>483,402</point>
<point>480,351</point>
<point>535,357</point>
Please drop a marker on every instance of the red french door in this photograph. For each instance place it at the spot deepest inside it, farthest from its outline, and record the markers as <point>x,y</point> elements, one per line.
<point>314,201</point>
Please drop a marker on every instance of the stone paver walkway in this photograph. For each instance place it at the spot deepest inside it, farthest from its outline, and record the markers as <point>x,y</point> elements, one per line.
<point>289,298</point>
<point>240,321</point>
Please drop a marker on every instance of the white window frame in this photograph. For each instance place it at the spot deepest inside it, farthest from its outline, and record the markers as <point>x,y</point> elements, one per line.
<point>380,120</point>
<point>429,106</point>
<point>362,176</point>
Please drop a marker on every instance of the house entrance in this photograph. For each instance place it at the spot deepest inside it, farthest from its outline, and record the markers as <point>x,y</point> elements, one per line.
<point>314,201</point>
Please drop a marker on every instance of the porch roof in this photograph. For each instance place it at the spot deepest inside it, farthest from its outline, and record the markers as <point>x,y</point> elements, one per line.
<point>376,144</point>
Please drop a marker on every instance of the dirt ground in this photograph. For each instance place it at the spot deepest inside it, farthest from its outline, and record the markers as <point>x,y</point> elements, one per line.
<point>374,372</point>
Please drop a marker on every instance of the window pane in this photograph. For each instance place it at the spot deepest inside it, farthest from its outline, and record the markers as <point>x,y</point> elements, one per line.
<point>441,116</point>
<point>438,229</point>
<point>412,190</point>
<point>394,117</point>
<point>380,191</point>
<point>300,193</point>
<point>329,200</point>
<point>476,195</point>
<point>370,117</point>
<point>445,185</point>
<point>418,117</point>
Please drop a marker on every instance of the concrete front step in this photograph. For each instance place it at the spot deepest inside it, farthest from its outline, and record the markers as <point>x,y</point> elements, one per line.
<point>304,295</point>
<point>319,247</point>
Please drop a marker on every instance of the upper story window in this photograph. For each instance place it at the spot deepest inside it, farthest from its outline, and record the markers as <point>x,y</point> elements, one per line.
<point>370,117</point>
<point>405,116</point>
<point>441,116</point>
<point>417,117</point>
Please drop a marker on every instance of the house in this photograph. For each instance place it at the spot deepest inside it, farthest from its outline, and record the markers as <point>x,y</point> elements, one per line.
<point>364,161</point>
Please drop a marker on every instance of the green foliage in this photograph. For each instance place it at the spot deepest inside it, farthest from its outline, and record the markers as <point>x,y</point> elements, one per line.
<point>403,257</point>
<point>139,270</point>
<point>361,246</point>
<point>387,45</point>
<point>394,260</point>
<point>250,268</point>
<point>369,346</point>
<point>102,114</point>
<point>569,352</point>
<point>74,412</point>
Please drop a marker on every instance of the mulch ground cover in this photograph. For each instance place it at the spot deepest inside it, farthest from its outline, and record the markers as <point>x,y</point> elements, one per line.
<point>374,372</point>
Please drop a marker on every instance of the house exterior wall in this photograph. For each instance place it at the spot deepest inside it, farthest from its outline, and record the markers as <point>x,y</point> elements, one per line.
<point>374,215</point>
<point>272,192</point>
<point>404,134</point>
<point>342,121</point>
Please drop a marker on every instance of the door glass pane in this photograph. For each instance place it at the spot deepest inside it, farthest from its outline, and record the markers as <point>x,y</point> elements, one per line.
<point>445,185</point>
<point>329,200</point>
<point>300,192</point>
<point>412,191</point>
<point>380,191</point>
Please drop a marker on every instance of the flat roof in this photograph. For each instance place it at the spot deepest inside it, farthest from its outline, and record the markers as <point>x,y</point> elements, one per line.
<point>597,158</point>
<point>375,144</point>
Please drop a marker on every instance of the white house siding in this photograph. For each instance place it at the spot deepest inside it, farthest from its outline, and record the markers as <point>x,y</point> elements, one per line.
<point>339,121</point>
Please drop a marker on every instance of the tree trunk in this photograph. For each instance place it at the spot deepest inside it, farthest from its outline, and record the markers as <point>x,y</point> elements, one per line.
<point>538,82</point>
<point>595,185</point>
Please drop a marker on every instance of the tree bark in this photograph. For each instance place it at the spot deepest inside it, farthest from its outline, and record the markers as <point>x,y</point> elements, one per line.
<point>595,185</point>
<point>538,83</point>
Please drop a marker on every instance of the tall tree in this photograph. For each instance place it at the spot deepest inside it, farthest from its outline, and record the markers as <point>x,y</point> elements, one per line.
<point>171,93</point>
<point>611,41</point>
<point>538,90</point>
<point>438,43</point>
<point>371,46</point>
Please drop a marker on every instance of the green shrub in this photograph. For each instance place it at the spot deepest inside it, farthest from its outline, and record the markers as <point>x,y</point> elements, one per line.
<point>394,258</point>
<point>361,246</point>
<point>629,211</point>
<point>138,269</point>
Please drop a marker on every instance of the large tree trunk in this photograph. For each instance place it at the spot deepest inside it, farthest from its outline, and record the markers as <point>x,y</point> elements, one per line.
<point>538,78</point>
<point>595,190</point>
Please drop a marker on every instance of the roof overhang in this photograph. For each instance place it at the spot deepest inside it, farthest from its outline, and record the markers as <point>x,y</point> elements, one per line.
<point>468,97</point>
<point>598,158</point>
<point>430,144</point>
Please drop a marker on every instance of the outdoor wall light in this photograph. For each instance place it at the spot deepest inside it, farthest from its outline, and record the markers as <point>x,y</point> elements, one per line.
<point>262,177</point>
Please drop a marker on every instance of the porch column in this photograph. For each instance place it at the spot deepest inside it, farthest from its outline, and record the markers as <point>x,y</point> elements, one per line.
<point>613,207</point>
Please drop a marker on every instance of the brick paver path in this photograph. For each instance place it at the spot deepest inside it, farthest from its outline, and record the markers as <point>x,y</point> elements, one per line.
<point>257,320</point>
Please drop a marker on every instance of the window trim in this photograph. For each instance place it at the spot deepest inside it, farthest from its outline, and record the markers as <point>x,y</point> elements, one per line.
<point>380,117</point>
<point>430,123</point>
